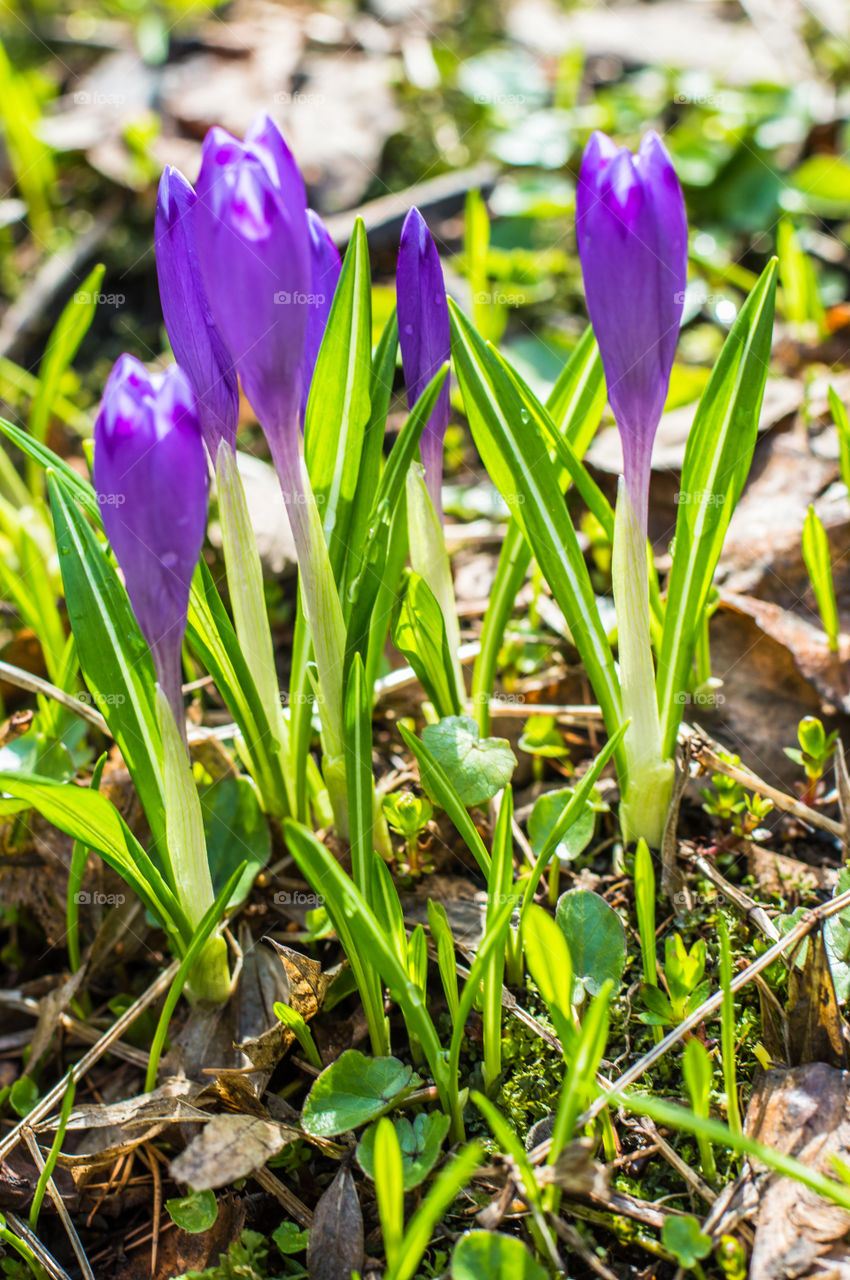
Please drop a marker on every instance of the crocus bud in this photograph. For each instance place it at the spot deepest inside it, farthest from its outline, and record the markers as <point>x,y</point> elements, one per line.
<point>633,245</point>
<point>424,337</point>
<point>325,268</point>
<point>150,473</point>
<point>195,341</point>
<point>251,229</point>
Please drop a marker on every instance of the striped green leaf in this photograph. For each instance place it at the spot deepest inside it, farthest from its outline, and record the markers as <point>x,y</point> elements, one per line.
<point>517,457</point>
<point>113,653</point>
<point>717,460</point>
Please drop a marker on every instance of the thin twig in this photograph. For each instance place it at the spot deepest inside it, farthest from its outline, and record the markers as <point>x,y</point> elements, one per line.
<point>673,1158</point>
<point>31,1240</point>
<point>59,1205</point>
<point>46,1104</point>
<point>744,903</point>
<point>34,684</point>
<point>293,1206</point>
<point>704,754</point>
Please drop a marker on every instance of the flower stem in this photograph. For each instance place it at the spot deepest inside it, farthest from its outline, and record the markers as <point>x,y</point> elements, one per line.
<point>649,781</point>
<point>187,854</point>
<point>245,584</point>
<point>430,559</point>
<point>318,588</point>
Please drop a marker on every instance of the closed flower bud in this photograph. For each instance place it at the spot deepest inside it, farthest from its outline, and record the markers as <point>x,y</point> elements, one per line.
<point>150,473</point>
<point>633,244</point>
<point>251,229</point>
<point>195,341</point>
<point>424,337</point>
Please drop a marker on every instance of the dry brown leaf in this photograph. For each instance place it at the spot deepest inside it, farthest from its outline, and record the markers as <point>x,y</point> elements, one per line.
<point>335,1248</point>
<point>815,1025</point>
<point>779,875</point>
<point>49,1009</point>
<point>805,1113</point>
<point>171,1102</point>
<point>230,1147</point>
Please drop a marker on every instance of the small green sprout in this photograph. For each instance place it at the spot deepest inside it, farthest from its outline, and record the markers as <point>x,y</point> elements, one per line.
<point>683,977</point>
<point>816,555</point>
<point>697,1070</point>
<point>731,803</point>
<point>542,739</point>
<point>815,751</point>
<point>408,815</point>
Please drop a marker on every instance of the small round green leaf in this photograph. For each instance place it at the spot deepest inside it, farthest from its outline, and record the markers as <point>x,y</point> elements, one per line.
<point>546,812</point>
<point>481,1255</point>
<point>195,1212</point>
<point>476,767</point>
<point>354,1090</point>
<point>684,1238</point>
<point>420,1144</point>
<point>596,939</point>
<point>289,1238</point>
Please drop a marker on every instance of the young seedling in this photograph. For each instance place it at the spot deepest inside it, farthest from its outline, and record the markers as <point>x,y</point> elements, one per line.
<point>813,755</point>
<point>696,1067</point>
<point>408,815</point>
<point>842,423</point>
<point>744,811</point>
<point>405,1246</point>
<point>683,978</point>
<point>542,740</point>
<point>819,568</point>
<point>645,911</point>
<point>727,1034</point>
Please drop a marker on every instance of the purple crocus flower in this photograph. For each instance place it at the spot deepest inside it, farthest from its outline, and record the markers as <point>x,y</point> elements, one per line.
<point>633,242</point>
<point>424,337</point>
<point>251,229</point>
<point>325,269</point>
<point>195,341</point>
<point>150,473</point>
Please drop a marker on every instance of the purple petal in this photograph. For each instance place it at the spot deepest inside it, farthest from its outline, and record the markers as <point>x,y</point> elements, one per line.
<point>151,478</point>
<point>424,337</point>
<point>195,341</point>
<point>632,239</point>
<point>325,269</point>
<point>250,224</point>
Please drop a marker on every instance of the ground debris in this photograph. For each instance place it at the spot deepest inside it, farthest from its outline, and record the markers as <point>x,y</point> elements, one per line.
<point>805,1113</point>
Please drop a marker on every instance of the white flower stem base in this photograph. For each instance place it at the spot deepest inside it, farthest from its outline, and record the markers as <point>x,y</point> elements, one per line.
<point>649,781</point>
<point>245,584</point>
<point>187,857</point>
<point>430,559</point>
